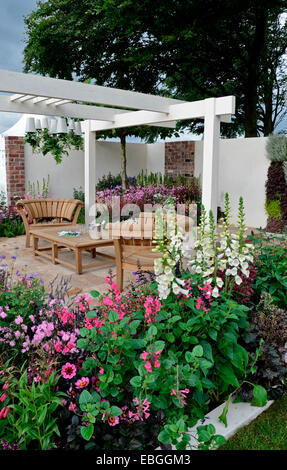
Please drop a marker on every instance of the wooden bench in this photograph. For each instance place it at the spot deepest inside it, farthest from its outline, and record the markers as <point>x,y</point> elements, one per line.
<point>134,243</point>
<point>35,212</point>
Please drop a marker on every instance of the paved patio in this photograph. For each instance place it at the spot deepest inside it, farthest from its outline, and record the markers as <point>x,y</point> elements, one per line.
<point>27,263</point>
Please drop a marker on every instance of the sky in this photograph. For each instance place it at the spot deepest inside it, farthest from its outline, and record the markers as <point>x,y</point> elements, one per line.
<point>11,49</point>
<point>12,44</point>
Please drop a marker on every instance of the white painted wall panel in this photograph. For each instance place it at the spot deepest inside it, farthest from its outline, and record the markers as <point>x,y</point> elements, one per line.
<point>243,166</point>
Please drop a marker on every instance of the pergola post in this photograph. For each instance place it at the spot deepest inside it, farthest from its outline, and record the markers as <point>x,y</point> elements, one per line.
<point>210,157</point>
<point>90,172</point>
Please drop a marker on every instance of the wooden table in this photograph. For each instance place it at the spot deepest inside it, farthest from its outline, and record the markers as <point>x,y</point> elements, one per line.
<point>78,244</point>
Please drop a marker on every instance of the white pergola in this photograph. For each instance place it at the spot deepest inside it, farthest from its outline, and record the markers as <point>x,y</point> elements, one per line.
<point>33,94</point>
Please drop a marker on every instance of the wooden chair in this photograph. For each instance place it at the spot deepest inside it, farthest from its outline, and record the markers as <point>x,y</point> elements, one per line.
<point>62,212</point>
<point>133,243</point>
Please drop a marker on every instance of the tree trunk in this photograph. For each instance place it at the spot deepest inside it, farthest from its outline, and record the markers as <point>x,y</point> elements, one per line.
<point>268,124</point>
<point>252,80</point>
<point>124,161</point>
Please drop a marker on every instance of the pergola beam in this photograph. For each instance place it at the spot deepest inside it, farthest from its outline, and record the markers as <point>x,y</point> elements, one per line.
<point>224,107</point>
<point>28,84</point>
<point>80,111</point>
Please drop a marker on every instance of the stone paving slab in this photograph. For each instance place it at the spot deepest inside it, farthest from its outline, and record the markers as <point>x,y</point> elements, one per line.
<point>27,263</point>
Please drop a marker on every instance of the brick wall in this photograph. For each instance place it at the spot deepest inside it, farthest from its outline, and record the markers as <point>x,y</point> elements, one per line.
<point>15,167</point>
<point>179,158</point>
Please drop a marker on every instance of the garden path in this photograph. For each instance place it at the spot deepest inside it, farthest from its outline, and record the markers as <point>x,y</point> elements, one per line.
<point>27,263</point>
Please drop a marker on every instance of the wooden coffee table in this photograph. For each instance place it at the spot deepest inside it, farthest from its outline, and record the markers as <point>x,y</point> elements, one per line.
<point>78,244</point>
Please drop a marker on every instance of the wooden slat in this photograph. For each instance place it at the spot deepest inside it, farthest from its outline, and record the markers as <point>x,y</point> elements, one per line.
<point>70,210</point>
<point>49,209</point>
<point>59,208</point>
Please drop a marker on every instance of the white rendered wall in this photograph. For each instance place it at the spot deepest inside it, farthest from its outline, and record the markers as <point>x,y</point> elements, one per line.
<point>70,173</point>
<point>243,166</point>
<point>155,154</point>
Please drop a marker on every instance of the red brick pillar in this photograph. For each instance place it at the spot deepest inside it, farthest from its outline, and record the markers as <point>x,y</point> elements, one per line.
<point>15,167</point>
<point>179,159</point>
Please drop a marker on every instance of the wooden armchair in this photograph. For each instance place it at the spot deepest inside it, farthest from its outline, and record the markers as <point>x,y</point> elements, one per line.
<point>62,212</point>
<point>133,243</point>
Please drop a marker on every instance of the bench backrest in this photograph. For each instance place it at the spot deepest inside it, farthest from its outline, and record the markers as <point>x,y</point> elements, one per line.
<point>49,208</point>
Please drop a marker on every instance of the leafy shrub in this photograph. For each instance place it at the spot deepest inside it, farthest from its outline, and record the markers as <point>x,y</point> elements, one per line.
<point>79,194</point>
<point>160,359</point>
<point>31,410</point>
<point>35,190</point>
<point>269,327</point>
<point>134,369</point>
<point>276,147</point>
<point>273,209</point>
<point>276,197</point>
<point>271,266</point>
<point>11,224</point>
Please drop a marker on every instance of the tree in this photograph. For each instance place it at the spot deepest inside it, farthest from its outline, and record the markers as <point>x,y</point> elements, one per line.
<point>68,38</point>
<point>190,50</point>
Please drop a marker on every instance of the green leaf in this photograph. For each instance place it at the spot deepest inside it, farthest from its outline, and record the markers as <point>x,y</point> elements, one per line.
<point>113,316</point>
<point>197,351</point>
<point>259,396</point>
<point>85,398</point>
<point>82,343</point>
<point>87,431</point>
<point>219,440</point>
<point>94,293</point>
<point>223,415</point>
<point>228,376</point>
<point>159,345</point>
<point>164,437</point>
<point>152,331</point>
<point>212,333</point>
<point>116,411</point>
<point>136,381</point>
<point>133,325</point>
<point>91,314</point>
<point>189,356</point>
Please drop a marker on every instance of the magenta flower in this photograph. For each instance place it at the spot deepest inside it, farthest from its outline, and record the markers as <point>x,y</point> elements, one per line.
<point>113,420</point>
<point>69,371</point>
<point>82,383</point>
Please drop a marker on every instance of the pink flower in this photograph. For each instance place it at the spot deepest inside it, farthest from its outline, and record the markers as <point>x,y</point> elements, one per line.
<point>82,383</point>
<point>152,307</point>
<point>72,407</point>
<point>107,301</point>
<point>58,346</point>
<point>142,410</point>
<point>113,420</point>
<point>144,355</point>
<point>69,371</point>
<point>3,397</point>
<point>19,320</point>
<point>148,366</point>
<point>180,395</point>
<point>101,371</point>
<point>151,359</point>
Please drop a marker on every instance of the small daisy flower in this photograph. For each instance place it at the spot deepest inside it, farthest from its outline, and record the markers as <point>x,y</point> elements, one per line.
<point>69,371</point>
